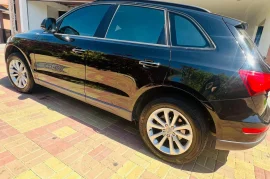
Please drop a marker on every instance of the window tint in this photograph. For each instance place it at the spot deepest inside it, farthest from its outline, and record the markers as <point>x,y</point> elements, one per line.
<point>185,33</point>
<point>84,21</point>
<point>138,24</point>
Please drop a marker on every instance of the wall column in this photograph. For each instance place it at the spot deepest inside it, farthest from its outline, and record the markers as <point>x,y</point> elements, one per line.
<point>23,15</point>
<point>12,17</point>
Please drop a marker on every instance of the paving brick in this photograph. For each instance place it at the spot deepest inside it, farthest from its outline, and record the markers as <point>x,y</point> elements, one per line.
<point>63,173</point>
<point>126,169</point>
<point>73,175</point>
<point>162,171</point>
<point>97,150</point>
<point>16,167</point>
<point>139,161</point>
<point>55,164</point>
<point>29,174</point>
<point>6,157</point>
<point>5,173</point>
<point>136,172</point>
<point>148,175</point>
<point>64,132</point>
<point>210,164</point>
<point>37,160</point>
<point>57,147</point>
<point>43,171</point>
<point>84,164</point>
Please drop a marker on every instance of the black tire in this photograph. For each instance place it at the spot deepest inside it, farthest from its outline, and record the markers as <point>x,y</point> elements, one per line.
<point>30,81</point>
<point>194,116</point>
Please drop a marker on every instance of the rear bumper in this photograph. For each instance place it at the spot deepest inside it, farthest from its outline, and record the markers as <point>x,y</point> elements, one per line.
<point>233,116</point>
<point>233,145</point>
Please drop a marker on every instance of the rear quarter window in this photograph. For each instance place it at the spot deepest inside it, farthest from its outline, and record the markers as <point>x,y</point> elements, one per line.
<point>185,33</point>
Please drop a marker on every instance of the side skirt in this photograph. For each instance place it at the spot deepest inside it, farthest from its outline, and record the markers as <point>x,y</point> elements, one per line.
<point>100,104</point>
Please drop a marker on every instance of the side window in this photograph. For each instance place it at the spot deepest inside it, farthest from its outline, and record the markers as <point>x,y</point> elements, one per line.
<point>138,24</point>
<point>185,33</point>
<point>84,21</point>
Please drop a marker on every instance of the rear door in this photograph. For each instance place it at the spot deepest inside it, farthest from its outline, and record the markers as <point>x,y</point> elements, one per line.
<point>130,57</point>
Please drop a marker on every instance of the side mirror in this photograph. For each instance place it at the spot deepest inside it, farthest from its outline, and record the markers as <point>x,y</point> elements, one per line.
<point>48,25</point>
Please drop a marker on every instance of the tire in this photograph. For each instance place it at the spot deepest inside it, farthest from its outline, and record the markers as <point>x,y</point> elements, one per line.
<point>23,86</point>
<point>190,116</point>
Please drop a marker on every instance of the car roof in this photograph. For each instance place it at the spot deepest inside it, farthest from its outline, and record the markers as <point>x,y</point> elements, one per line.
<point>170,6</point>
<point>157,3</point>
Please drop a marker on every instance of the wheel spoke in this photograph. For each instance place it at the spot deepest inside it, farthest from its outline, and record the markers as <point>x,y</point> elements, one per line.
<point>21,67</point>
<point>17,65</point>
<point>172,150</point>
<point>187,137</point>
<point>14,75</point>
<point>17,81</point>
<point>166,115</point>
<point>156,126</point>
<point>186,126</point>
<point>153,137</point>
<point>175,116</point>
<point>23,81</point>
<point>159,120</point>
<point>12,65</point>
<point>11,70</point>
<point>161,142</point>
<point>20,83</point>
<point>179,145</point>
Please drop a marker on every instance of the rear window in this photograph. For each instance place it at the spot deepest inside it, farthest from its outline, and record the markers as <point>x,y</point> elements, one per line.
<point>138,24</point>
<point>247,44</point>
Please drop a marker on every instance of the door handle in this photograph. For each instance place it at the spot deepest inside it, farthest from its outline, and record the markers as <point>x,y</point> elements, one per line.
<point>146,64</point>
<point>78,50</point>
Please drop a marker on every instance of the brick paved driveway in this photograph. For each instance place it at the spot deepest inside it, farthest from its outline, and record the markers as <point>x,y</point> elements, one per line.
<point>49,135</point>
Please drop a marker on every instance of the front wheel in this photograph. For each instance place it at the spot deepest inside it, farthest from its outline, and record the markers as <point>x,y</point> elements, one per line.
<point>19,73</point>
<point>174,130</point>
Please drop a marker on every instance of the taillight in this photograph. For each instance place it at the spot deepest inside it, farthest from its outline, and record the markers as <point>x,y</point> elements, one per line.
<point>255,82</point>
<point>254,130</point>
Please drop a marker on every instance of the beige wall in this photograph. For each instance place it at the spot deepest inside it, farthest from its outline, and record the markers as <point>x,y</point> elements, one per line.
<point>6,22</point>
<point>5,2</point>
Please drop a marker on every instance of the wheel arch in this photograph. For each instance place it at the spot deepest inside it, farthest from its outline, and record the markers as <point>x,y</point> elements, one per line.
<point>173,91</point>
<point>13,49</point>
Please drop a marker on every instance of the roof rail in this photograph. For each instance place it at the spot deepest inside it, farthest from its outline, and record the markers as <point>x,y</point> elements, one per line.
<point>163,3</point>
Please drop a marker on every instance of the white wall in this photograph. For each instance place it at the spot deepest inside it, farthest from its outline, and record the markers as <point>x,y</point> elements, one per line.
<point>37,11</point>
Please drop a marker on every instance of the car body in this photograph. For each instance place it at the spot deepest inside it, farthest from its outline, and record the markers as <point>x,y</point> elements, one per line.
<point>122,73</point>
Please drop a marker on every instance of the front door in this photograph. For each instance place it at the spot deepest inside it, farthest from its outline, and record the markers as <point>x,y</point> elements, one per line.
<point>60,59</point>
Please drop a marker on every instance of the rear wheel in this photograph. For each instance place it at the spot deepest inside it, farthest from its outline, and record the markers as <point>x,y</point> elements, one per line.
<point>174,130</point>
<point>19,73</point>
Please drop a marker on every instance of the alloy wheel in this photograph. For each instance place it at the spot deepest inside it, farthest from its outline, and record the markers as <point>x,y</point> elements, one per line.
<point>169,131</point>
<point>18,73</point>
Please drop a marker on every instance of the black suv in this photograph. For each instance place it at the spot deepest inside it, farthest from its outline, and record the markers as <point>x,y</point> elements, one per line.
<point>180,71</point>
